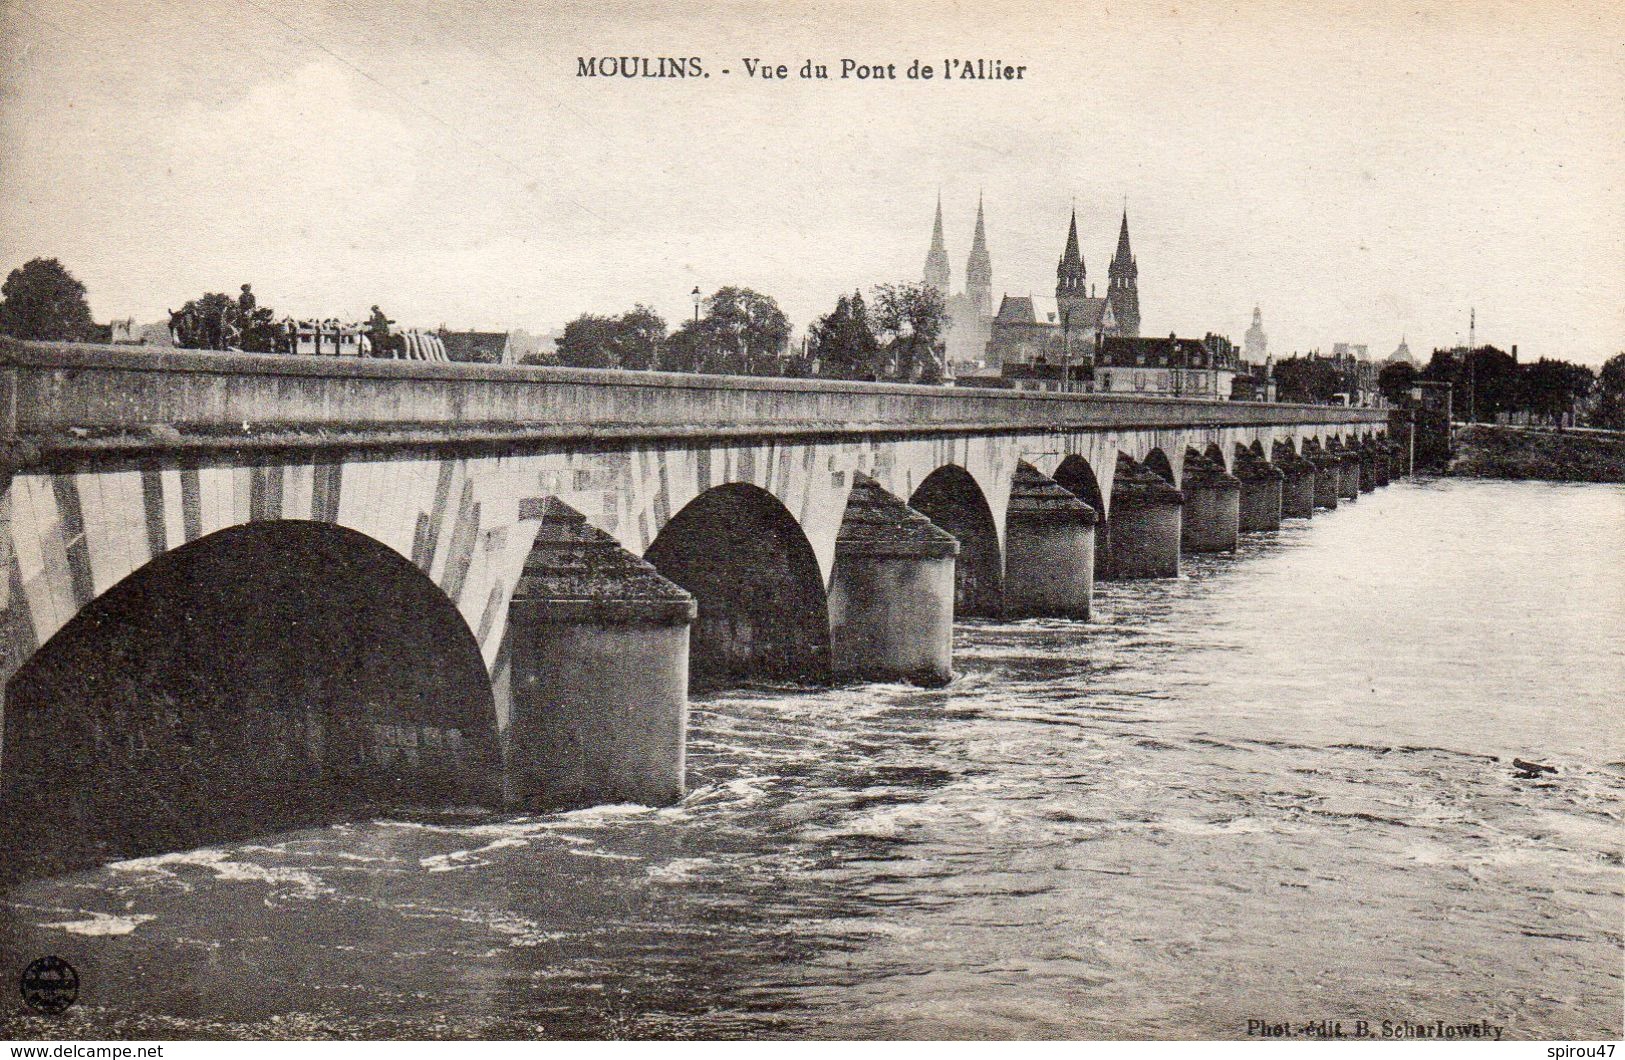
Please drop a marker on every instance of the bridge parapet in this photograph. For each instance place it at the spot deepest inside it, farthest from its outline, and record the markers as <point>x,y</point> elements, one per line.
<point>109,397</point>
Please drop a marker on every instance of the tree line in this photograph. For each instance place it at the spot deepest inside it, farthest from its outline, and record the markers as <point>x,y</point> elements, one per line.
<point>1486,383</point>
<point>738,331</point>
<point>894,334</point>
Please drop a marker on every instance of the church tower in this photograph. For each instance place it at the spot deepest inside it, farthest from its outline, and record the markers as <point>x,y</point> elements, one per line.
<point>979,270</point>
<point>1070,273</point>
<point>936,260</point>
<point>1123,289</point>
<point>1255,344</point>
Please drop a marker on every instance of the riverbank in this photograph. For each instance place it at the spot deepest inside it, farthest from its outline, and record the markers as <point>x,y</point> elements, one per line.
<point>1518,453</point>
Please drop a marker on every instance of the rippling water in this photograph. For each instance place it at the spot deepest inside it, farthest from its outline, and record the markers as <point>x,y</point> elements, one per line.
<point>1279,788</point>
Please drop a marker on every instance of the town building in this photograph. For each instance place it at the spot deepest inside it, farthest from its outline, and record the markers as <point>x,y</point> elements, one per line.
<point>1202,368</point>
<point>1254,381</point>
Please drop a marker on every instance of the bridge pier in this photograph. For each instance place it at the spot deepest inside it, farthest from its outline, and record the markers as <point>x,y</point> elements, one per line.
<point>1398,460</point>
<point>1328,477</point>
<point>1262,492</point>
<point>1380,470</point>
<point>1212,517</point>
<point>891,597</point>
<point>1049,567</point>
<point>598,643</point>
<point>1297,484</point>
<point>1348,476</point>
<point>1368,468</point>
<point>1144,522</point>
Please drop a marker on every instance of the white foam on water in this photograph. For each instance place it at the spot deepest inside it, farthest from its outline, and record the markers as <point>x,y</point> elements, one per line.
<point>680,870</point>
<point>303,884</point>
<point>103,923</point>
<point>469,859</point>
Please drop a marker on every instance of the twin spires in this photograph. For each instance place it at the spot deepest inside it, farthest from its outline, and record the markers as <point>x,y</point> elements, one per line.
<point>1071,274</point>
<point>978,269</point>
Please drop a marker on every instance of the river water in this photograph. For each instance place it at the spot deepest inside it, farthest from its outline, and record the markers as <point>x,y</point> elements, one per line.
<point>1279,788</point>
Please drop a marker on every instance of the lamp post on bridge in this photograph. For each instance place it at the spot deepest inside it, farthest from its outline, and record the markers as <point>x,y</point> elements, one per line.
<point>696,294</point>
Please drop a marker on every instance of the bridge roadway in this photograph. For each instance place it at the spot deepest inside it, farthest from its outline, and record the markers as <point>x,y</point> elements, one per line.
<point>262,590</point>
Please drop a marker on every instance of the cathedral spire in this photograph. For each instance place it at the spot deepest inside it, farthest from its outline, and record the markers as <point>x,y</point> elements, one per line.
<point>936,260</point>
<point>1070,273</point>
<point>979,269</point>
<point>1123,277</point>
<point>1124,255</point>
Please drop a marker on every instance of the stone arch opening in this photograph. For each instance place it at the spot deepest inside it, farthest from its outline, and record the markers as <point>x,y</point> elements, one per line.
<point>950,498</point>
<point>1282,447</point>
<point>762,606</point>
<point>1215,453</point>
<point>1158,461</point>
<point>1078,478</point>
<point>268,676</point>
<point>1257,449</point>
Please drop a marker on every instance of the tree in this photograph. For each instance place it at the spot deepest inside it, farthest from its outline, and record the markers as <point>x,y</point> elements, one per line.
<point>43,301</point>
<point>1492,383</point>
<point>631,340</point>
<point>1484,383</point>
<point>747,331</point>
<point>1551,390</point>
<point>1395,381</point>
<point>589,341</point>
<point>219,322</point>
<point>642,331</point>
<point>207,323</point>
<point>742,332</point>
<point>844,343</point>
<point>1306,380</point>
<point>912,317</point>
<point>686,349</point>
<point>1610,410</point>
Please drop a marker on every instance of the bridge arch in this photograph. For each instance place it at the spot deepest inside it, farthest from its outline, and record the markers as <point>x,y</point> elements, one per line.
<point>1076,477</point>
<point>951,498</point>
<point>1158,461</point>
<point>1215,452</point>
<point>269,675</point>
<point>762,606</point>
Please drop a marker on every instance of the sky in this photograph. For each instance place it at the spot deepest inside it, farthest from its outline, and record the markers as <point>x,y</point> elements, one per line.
<point>1361,171</point>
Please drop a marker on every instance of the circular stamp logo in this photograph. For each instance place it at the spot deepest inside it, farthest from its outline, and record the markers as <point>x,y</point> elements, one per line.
<point>50,985</point>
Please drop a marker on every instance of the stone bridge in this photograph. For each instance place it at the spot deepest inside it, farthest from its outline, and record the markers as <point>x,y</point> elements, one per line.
<point>240,592</point>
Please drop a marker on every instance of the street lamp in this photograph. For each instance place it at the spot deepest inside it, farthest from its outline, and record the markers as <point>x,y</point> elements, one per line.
<point>696,305</point>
